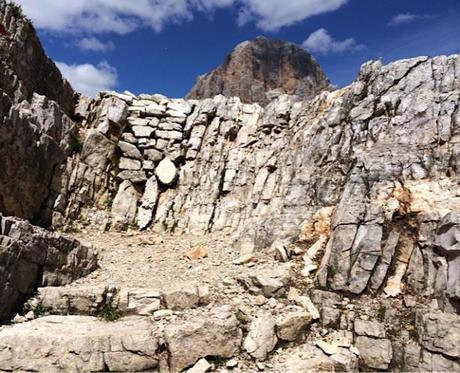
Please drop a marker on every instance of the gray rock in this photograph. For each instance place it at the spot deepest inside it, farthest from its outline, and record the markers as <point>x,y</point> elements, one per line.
<point>126,345</point>
<point>345,361</point>
<point>129,164</point>
<point>369,328</point>
<point>148,203</point>
<point>155,109</point>
<point>142,302</point>
<point>182,298</point>
<point>213,334</point>
<point>70,301</point>
<point>129,137</point>
<point>129,150</point>
<point>180,105</point>
<point>304,358</point>
<point>447,242</point>
<point>261,339</point>
<point>138,122</point>
<point>292,325</point>
<point>153,155</point>
<point>132,176</point>
<point>124,206</point>
<point>375,353</point>
<point>169,135</point>
<point>439,332</point>
<point>32,256</point>
<point>142,131</point>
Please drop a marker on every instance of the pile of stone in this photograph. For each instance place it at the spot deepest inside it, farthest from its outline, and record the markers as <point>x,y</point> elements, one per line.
<point>154,139</point>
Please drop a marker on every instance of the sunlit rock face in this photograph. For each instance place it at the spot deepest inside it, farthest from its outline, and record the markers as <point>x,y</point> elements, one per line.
<point>36,130</point>
<point>261,69</point>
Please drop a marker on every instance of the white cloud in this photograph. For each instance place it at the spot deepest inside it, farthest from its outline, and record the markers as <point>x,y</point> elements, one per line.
<point>322,42</point>
<point>96,16</point>
<point>124,16</point>
<point>270,15</point>
<point>89,79</point>
<point>402,18</point>
<point>95,45</point>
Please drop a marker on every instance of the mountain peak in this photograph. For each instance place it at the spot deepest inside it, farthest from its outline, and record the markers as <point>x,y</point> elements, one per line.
<point>258,69</point>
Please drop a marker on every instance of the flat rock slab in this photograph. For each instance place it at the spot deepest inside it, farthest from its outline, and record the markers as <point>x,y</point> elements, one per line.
<point>79,344</point>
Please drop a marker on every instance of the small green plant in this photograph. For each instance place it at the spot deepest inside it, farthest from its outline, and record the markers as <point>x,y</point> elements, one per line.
<point>331,271</point>
<point>218,361</point>
<point>283,295</point>
<point>41,311</point>
<point>108,311</point>
<point>381,313</point>
<point>240,317</point>
<point>413,333</point>
<point>108,203</point>
<point>76,144</point>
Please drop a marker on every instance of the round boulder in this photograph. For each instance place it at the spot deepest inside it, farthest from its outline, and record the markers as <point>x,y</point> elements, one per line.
<point>166,172</point>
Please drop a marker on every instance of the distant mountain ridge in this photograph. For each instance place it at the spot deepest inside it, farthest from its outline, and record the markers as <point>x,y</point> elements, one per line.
<point>261,69</point>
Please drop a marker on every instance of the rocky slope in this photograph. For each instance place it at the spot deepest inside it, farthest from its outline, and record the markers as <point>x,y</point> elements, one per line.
<point>261,69</point>
<point>357,189</point>
<point>325,231</point>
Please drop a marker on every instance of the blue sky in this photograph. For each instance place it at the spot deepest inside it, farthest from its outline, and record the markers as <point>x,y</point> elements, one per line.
<point>161,46</point>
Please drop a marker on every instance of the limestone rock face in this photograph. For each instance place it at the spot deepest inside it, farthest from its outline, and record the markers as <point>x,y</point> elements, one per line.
<point>31,257</point>
<point>36,130</point>
<point>258,70</point>
<point>25,67</point>
<point>369,171</point>
<point>440,332</point>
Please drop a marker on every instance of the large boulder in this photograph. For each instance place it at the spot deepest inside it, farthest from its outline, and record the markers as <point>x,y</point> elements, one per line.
<point>32,257</point>
<point>213,334</point>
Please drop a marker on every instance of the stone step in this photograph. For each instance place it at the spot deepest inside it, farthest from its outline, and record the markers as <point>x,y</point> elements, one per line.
<point>131,344</point>
<point>91,301</point>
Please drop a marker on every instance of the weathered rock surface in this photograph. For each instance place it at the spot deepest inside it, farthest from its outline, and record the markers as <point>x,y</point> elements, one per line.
<point>79,344</point>
<point>261,339</point>
<point>36,132</point>
<point>375,353</point>
<point>440,332</point>
<point>258,70</point>
<point>293,325</point>
<point>216,334</point>
<point>356,190</point>
<point>31,257</point>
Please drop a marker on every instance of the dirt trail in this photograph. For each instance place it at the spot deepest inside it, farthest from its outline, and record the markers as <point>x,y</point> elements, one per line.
<point>147,260</point>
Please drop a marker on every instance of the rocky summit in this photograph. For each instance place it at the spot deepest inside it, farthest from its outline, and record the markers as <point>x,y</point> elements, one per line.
<point>262,69</point>
<point>318,232</point>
